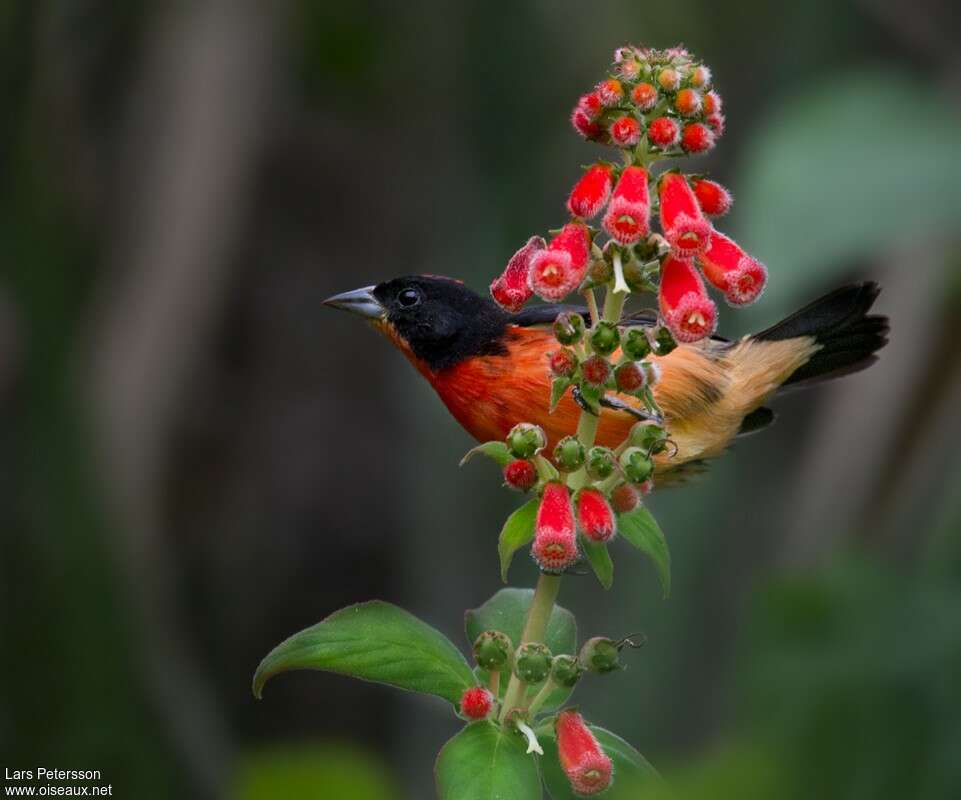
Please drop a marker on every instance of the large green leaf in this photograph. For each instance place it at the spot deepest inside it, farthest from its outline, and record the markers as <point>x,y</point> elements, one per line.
<point>374,641</point>
<point>600,560</point>
<point>482,762</point>
<point>518,530</point>
<point>629,765</point>
<point>641,529</point>
<point>507,610</point>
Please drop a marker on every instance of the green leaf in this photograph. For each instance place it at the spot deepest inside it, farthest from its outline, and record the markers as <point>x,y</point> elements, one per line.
<point>482,762</point>
<point>600,560</point>
<point>374,641</point>
<point>507,610</point>
<point>558,387</point>
<point>641,529</point>
<point>518,530</point>
<point>629,765</point>
<point>498,451</point>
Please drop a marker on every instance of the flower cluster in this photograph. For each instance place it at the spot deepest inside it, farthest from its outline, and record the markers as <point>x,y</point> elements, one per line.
<point>655,105</point>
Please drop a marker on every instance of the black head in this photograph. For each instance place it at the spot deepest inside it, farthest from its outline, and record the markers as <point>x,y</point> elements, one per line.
<point>441,320</point>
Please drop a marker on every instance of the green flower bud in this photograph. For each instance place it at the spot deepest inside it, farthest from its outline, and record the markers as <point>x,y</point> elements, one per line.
<point>493,650</point>
<point>605,338</point>
<point>600,272</point>
<point>636,465</point>
<point>600,655</point>
<point>665,341</point>
<point>532,662</point>
<point>635,276</point>
<point>569,454</point>
<point>600,462</point>
<point>565,671</point>
<point>526,440</point>
<point>569,327</point>
<point>649,437</point>
<point>636,345</point>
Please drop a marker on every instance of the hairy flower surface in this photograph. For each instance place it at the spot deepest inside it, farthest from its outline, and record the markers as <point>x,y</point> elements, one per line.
<point>512,288</point>
<point>477,703</point>
<point>627,219</point>
<point>555,540</point>
<point>590,194</point>
<point>734,272</point>
<point>587,767</point>
<point>688,311</point>
<point>594,515</point>
<point>684,226</point>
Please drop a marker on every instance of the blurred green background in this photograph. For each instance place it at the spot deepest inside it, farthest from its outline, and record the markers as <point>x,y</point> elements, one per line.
<point>198,460</point>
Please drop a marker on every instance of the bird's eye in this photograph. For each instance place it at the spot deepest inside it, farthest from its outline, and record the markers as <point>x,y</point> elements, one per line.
<point>408,298</point>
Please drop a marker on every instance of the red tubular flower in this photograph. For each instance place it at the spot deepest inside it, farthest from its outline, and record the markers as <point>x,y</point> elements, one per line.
<point>476,703</point>
<point>663,132</point>
<point>625,131</point>
<point>628,216</point>
<point>611,92</point>
<point>734,272</point>
<point>520,474</point>
<point>555,540</point>
<point>714,199</point>
<point>681,220</point>
<point>594,515</point>
<point>644,96</point>
<point>591,192</point>
<point>687,310</point>
<point>559,270</point>
<point>687,102</point>
<point>512,289</point>
<point>584,762</point>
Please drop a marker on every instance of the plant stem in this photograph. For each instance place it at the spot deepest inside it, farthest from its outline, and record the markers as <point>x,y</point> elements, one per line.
<point>592,305</point>
<point>541,696</point>
<point>495,682</point>
<point>537,618</point>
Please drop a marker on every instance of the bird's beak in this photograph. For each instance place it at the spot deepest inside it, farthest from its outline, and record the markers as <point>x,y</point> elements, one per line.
<point>359,301</point>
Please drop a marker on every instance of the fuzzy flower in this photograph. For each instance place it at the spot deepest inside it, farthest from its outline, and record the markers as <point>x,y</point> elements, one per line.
<point>610,91</point>
<point>687,310</point>
<point>685,228</point>
<point>712,103</point>
<point>714,199</point>
<point>591,192</point>
<point>555,539</point>
<point>559,270</point>
<point>697,138</point>
<point>476,703</point>
<point>594,515</point>
<point>663,132</point>
<point>520,474</point>
<point>625,497</point>
<point>625,131</point>
<point>628,216</point>
<point>582,123</point>
<point>668,79</point>
<point>512,289</point>
<point>734,272</point>
<point>630,377</point>
<point>644,96</point>
<point>700,76</point>
<point>587,767</point>
<point>687,102</point>
<point>562,363</point>
<point>716,123</point>
<point>596,370</point>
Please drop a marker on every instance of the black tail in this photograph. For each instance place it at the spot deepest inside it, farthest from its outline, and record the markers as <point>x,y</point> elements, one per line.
<point>840,323</point>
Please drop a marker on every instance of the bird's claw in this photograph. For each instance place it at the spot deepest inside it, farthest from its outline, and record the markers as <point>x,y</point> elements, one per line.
<point>620,405</point>
<point>582,401</point>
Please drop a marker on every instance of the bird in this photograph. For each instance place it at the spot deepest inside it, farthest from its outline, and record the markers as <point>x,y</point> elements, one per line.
<point>489,366</point>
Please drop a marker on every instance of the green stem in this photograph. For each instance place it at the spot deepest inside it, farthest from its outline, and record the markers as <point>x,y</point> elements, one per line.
<point>614,302</point>
<point>592,305</point>
<point>537,618</point>
<point>541,697</point>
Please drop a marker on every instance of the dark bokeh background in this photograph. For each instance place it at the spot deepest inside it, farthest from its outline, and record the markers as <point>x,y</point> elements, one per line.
<point>198,460</point>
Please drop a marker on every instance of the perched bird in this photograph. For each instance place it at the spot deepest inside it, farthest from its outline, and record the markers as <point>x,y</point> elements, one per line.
<point>489,367</point>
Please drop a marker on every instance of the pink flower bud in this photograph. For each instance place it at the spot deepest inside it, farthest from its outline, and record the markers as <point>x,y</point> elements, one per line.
<point>476,703</point>
<point>628,216</point>
<point>512,289</point>
<point>668,79</point>
<point>584,762</point>
<point>591,192</point>
<point>596,370</point>
<point>591,131</point>
<point>625,131</point>
<point>687,102</point>
<point>713,198</point>
<point>687,310</point>
<point>716,123</point>
<point>563,363</point>
<point>594,515</point>
<point>559,270</point>
<point>555,540</point>
<point>697,138</point>
<point>625,497</point>
<point>611,92</point>
<point>734,272</point>
<point>644,96</point>
<point>712,103</point>
<point>520,474</point>
<point>700,76</point>
<point>663,132</point>
<point>684,226</point>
